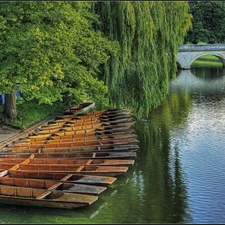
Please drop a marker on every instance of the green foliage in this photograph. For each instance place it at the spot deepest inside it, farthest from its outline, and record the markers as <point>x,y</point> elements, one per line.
<point>51,51</point>
<point>69,59</point>
<point>149,34</point>
<point>204,64</point>
<point>208,22</point>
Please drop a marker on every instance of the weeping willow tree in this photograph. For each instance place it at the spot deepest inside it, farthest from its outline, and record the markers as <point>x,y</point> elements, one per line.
<point>149,34</point>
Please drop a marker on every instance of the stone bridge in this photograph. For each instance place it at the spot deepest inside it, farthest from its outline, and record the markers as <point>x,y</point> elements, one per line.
<point>187,54</point>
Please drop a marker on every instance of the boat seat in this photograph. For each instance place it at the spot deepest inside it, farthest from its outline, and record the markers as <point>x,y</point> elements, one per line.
<point>43,195</point>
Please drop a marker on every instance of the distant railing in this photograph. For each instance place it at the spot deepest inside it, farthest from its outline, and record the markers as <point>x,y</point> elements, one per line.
<point>201,47</point>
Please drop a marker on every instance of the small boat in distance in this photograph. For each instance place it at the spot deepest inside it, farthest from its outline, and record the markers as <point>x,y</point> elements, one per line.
<point>82,108</point>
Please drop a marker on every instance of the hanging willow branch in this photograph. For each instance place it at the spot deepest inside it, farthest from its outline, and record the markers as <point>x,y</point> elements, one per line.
<point>149,34</point>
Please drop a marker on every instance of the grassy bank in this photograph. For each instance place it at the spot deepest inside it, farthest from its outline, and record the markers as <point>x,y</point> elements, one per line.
<point>30,113</point>
<point>209,61</point>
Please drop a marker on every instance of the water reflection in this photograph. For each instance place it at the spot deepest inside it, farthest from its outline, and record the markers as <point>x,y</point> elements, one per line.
<point>182,148</point>
<point>199,138</point>
<point>160,168</point>
<point>200,79</point>
<point>26,214</point>
<point>178,176</point>
<point>208,74</point>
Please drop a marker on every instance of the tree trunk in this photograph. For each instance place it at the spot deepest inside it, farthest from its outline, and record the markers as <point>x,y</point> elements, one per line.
<point>10,105</point>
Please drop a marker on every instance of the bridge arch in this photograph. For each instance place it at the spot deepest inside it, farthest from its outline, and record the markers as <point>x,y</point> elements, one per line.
<point>179,64</point>
<point>187,54</point>
<point>214,54</point>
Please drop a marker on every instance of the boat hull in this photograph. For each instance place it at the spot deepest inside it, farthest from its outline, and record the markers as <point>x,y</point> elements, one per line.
<point>44,198</point>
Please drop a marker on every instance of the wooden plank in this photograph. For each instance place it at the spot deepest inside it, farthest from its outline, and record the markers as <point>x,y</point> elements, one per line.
<point>43,195</point>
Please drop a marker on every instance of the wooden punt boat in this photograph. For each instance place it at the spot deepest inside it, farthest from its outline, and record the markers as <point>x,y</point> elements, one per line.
<point>74,145</point>
<point>74,137</point>
<point>96,115</point>
<point>40,137</point>
<point>100,119</point>
<point>82,130</point>
<point>83,120</point>
<point>71,161</point>
<point>61,132</point>
<point>88,119</point>
<point>112,171</point>
<point>50,184</point>
<point>82,123</point>
<point>44,198</point>
<point>76,155</point>
<point>106,130</point>
<point>62,176</point>
<point>82,108</point>
<point>84,127</point>
<point>69,168</point>
<point>82,133</point>
<point>84,169</point>
<point>77,149</point>
<point>100,112</point>
<point>122,134</point>
<point>69,139</point>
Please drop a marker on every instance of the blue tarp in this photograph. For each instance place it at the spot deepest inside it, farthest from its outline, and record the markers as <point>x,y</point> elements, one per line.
<point>3,97</point>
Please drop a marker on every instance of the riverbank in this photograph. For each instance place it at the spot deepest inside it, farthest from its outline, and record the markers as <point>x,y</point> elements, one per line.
<point>29,113</point>
<point>7,132</point>
<point>207,62</point>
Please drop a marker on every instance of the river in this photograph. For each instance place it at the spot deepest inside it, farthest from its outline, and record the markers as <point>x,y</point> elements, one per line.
<point>178,176</point>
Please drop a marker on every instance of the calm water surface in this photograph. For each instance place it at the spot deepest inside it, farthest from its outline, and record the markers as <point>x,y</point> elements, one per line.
<point>178,176</point>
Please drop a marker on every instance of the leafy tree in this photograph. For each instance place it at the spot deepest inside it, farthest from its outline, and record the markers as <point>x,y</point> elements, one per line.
<point>149,34</point>
<point>208,22</point>
<point>49,50</point>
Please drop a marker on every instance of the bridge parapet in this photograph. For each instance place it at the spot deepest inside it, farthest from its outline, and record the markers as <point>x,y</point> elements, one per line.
<point>203,47</point>
<point>188,53</point>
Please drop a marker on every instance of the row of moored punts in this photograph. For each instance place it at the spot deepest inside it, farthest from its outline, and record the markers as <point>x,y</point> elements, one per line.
<point>71,160</point>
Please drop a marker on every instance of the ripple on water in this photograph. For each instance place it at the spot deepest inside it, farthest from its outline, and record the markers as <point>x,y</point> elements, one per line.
<point>202,156</point>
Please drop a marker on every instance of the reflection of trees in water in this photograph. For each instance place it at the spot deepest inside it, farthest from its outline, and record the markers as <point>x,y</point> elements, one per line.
<point>201,81</point>
<point>180,191</point>
<point>209,73</point>
<point>161,174</point>
<point>204,73</point>
<point>41,215</point>
<point>166,196</point>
